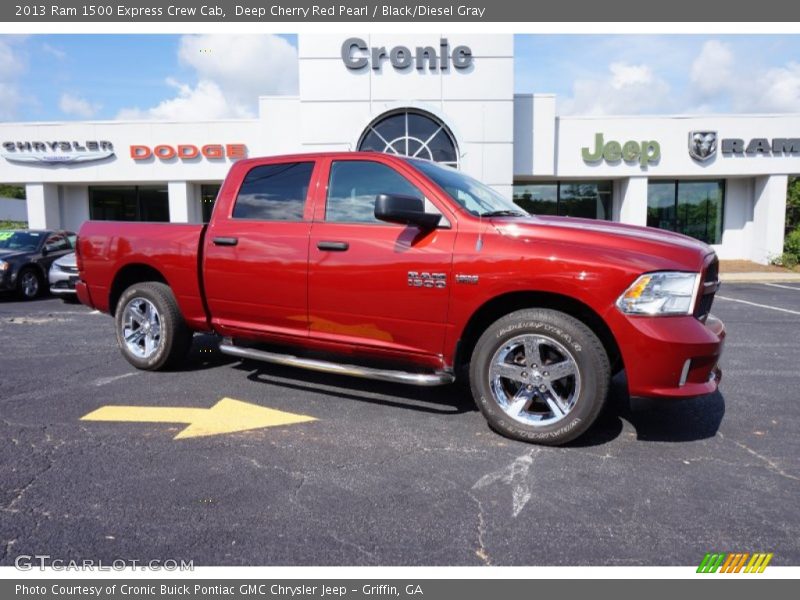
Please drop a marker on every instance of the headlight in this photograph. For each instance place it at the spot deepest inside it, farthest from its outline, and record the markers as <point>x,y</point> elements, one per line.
<point>4,265</point>
<point>664,293</point>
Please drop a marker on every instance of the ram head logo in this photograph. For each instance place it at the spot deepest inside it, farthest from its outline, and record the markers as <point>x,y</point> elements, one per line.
<point>702,144</point>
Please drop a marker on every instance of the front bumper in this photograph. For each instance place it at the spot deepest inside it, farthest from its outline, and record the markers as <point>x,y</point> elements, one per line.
<point>62,282</point>
<point>673,357</point>
<point>8,281</point>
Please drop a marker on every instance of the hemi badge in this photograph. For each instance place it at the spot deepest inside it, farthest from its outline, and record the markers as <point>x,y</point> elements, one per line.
<point>470,279</point>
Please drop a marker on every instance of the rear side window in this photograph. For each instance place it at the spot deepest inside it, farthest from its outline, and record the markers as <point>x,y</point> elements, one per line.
<point>355,184</point>
<point>274,192</point>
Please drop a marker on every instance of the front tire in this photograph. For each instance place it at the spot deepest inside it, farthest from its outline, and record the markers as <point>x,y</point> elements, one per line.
<point>29,284</point>
<point>151,332</point>
<point>540,375</point>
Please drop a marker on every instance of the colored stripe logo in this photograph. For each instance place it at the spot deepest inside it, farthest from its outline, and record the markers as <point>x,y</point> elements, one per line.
<point>734,562</point>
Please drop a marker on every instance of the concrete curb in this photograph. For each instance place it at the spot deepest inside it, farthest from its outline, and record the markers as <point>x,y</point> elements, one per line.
<point>760,277</point>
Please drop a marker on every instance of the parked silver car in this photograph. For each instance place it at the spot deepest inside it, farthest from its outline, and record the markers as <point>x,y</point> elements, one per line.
<point>63,275</point>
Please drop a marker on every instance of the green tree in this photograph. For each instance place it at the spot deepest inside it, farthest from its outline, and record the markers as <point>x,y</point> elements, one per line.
<point>12,191</point>
<point>793,205</point>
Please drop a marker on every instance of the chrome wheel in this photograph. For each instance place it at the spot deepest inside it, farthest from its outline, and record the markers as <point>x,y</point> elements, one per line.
<point>141,327</point>
<point>29,283</point>
<point>534,379</point>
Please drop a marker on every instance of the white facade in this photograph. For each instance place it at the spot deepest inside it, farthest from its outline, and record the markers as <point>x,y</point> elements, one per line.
<point>501,139</point>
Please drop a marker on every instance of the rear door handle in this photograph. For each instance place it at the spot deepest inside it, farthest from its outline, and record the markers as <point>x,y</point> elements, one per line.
<point>333,246</point>
<point>225,241</point>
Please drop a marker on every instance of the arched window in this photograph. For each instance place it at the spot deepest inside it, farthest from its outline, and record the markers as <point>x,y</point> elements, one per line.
<point>412,133</point>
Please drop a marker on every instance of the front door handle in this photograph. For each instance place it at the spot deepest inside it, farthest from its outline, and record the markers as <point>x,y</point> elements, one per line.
<point>225,241</point>
<point>333,246</point>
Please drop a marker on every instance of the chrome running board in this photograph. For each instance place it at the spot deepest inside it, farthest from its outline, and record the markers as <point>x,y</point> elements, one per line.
<point>420,379</point>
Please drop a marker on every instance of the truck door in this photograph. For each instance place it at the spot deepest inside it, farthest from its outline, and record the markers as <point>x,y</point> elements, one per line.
<point>256,254</point>
<point>376,286</point>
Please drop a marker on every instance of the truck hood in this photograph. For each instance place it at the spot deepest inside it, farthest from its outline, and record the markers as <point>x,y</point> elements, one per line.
<point>665,249</point>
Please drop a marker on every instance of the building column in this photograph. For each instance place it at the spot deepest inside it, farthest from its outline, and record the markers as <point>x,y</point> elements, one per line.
<point>42,200</point>
<point>182,202</point>
<point>74,207</point>
<point>632,199</point>
<point>544,134</point>
<point>769,216</point>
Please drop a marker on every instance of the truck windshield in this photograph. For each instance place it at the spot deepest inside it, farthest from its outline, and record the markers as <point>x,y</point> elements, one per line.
<point>20,240</point>
<point>475,197</point>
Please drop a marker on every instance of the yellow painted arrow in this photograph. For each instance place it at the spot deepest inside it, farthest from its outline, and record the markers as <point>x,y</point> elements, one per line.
<point>226,416</point>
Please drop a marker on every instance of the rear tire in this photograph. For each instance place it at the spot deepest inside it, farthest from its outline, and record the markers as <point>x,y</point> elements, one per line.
<point>29,284</point>
<point>151,332</point>
<point>540,375</point>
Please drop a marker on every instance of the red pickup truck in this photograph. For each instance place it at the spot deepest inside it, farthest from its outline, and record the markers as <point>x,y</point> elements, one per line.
<point>403,270</point>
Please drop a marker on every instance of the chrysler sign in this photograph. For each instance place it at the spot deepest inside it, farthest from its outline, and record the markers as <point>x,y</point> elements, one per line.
<point>56,152</point>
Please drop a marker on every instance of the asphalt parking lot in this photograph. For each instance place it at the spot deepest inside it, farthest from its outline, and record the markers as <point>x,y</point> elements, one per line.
<point>388,474</point>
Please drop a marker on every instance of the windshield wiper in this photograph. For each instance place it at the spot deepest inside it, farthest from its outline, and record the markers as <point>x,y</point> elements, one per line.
<point>504,213</point>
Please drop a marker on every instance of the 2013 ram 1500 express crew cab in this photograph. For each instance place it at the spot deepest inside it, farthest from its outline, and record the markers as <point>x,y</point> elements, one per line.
<point>404,270</point>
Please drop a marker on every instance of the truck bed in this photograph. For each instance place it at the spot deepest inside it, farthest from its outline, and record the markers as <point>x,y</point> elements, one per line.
<point>110,250</point>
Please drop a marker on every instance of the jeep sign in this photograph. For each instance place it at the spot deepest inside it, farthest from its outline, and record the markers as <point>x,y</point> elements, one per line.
<point>644,152</point>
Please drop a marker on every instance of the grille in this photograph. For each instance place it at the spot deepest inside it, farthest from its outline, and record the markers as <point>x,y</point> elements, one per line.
<point>708,289</point>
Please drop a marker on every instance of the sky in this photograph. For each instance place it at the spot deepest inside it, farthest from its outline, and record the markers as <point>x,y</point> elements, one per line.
<point>175,77</point>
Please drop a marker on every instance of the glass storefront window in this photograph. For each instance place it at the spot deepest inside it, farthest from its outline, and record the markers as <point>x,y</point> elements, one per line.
<point>537,198</point>
<point>588,199</point>
<point>693,208</point>
<point>129,203</point>
<point>153,203</point>
<point>208,196</point>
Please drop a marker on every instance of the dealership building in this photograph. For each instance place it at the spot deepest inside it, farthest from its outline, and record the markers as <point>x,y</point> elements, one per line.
<point>449,98</point>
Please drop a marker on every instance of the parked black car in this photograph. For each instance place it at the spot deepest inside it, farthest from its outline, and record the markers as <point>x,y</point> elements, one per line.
<point>26,256</point>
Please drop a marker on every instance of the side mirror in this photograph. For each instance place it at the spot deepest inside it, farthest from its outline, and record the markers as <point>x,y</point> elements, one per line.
<point>45,251</point>
<point>406,210</point>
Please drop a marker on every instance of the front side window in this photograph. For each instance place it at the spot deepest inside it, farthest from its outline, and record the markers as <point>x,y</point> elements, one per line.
<point>355,184</point>
<point>57,242</point>
<point>274,192</point>
<point>693,208</point>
